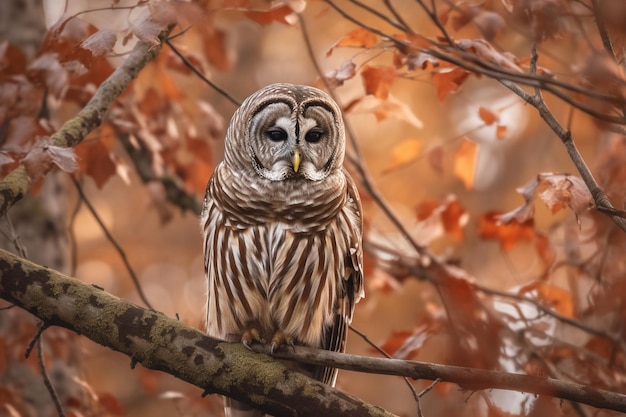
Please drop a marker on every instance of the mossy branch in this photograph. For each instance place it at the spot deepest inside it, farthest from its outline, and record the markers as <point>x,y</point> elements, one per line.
<point>165,344</point>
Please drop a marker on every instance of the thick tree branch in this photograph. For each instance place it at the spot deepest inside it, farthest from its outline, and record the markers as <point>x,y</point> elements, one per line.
<point>162,343</point>
<point>165,344</point>
<point>17,184</point>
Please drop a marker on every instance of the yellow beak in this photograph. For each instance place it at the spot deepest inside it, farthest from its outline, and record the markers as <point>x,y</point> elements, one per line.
<point>296,160</point>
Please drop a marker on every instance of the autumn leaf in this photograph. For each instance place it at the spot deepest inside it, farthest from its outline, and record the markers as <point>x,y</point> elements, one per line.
<point>448,80</point>
<point>501,131</point>
<point>441,217</point>
<point>385,109</point>
<point>100,43</point>
<point>40,159</point>
<point>214,48</point>
<point>558,298</point>
<point>564,190</point>
<point>403,153</point>
<point>337,77</point>
<point>94,155</point>
<point>281,14</point>
<point>359,38</point>
<point>487,116</point>
<point>490,227</point>
<point>465,162</point>
<point>377,80</point>
<point>558,192</point>
<point>484,50</point>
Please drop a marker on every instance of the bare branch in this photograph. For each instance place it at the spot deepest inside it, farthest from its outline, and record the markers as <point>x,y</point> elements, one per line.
<point>113,241</point>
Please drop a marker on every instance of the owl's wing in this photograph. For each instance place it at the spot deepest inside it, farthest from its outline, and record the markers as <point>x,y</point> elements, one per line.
<point>352,289</point>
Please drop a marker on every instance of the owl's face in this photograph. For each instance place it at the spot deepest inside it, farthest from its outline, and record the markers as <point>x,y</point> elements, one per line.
<point>287,131</point>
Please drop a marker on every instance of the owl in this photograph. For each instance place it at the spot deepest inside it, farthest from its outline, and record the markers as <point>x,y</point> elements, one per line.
<point>282,227</point>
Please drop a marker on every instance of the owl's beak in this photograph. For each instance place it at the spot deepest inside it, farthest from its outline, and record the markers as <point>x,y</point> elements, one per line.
<point>296,160</point>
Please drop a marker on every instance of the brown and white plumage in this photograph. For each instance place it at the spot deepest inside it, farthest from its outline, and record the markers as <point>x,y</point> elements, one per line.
<point>282,227</point>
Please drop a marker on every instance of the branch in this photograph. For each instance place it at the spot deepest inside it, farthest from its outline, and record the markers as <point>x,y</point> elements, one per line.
<point>165,344</point>
<point>17,183</point>
<point>162,343</point>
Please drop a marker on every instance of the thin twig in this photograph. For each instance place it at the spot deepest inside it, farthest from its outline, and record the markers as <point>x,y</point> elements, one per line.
<point>46,378</point>
<point>199,73</point>
<point>424,392</point>
<point>13,237</point>
<point>111,239</point>
<point>385,354</point>
<point>31,345</point>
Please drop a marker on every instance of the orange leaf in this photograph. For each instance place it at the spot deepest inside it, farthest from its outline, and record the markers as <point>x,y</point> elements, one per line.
<point>487,115</point>
<point>377,80</point>
<point>454,218</point>
<point>282,14</point>
<point>509,234</point>
<point>359,38</point>
<point>404,153</point>
<point>449,80</point>
<point>465,162</point>
<point>500,131</point>
<point>556,297</point>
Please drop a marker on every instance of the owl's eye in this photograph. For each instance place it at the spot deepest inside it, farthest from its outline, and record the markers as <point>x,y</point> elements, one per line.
<point>313,136</point>
<point>276,135</point>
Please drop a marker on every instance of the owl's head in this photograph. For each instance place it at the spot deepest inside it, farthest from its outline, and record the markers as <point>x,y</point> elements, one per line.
<point>287,131</point>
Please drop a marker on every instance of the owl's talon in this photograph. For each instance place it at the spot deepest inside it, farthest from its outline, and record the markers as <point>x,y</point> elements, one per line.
<point>251,335</point>
<point>280,339</point>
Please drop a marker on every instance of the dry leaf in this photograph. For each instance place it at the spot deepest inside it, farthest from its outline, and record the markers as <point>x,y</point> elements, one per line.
<point>559,191</point>
<point>403,153</point>
<point>377,80</point>
<point>554,296</point>
<point>337,77</point>
<point>100,43</point>
<point>359,38</point>
<point>449,80</point>
<point>281,14</point>
<point>94,156</point>
<point>487,115</point>
<point>40,159</point>
<point>508,234</point>
<point>465,162</point>
<point>385,109</point>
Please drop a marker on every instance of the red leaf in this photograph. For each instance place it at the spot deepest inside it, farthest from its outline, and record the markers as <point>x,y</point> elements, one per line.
<point>465,162</point>
<point>94,156</point>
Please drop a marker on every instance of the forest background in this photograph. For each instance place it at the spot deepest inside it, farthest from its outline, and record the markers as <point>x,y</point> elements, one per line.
<point>487,138</point>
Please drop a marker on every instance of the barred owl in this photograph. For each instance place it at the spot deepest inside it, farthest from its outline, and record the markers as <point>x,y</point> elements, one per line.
<point>281,222</point>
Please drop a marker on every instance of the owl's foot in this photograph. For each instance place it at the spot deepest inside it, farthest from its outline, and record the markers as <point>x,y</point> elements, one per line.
<point>250,335</point>
<point>280,339</point>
